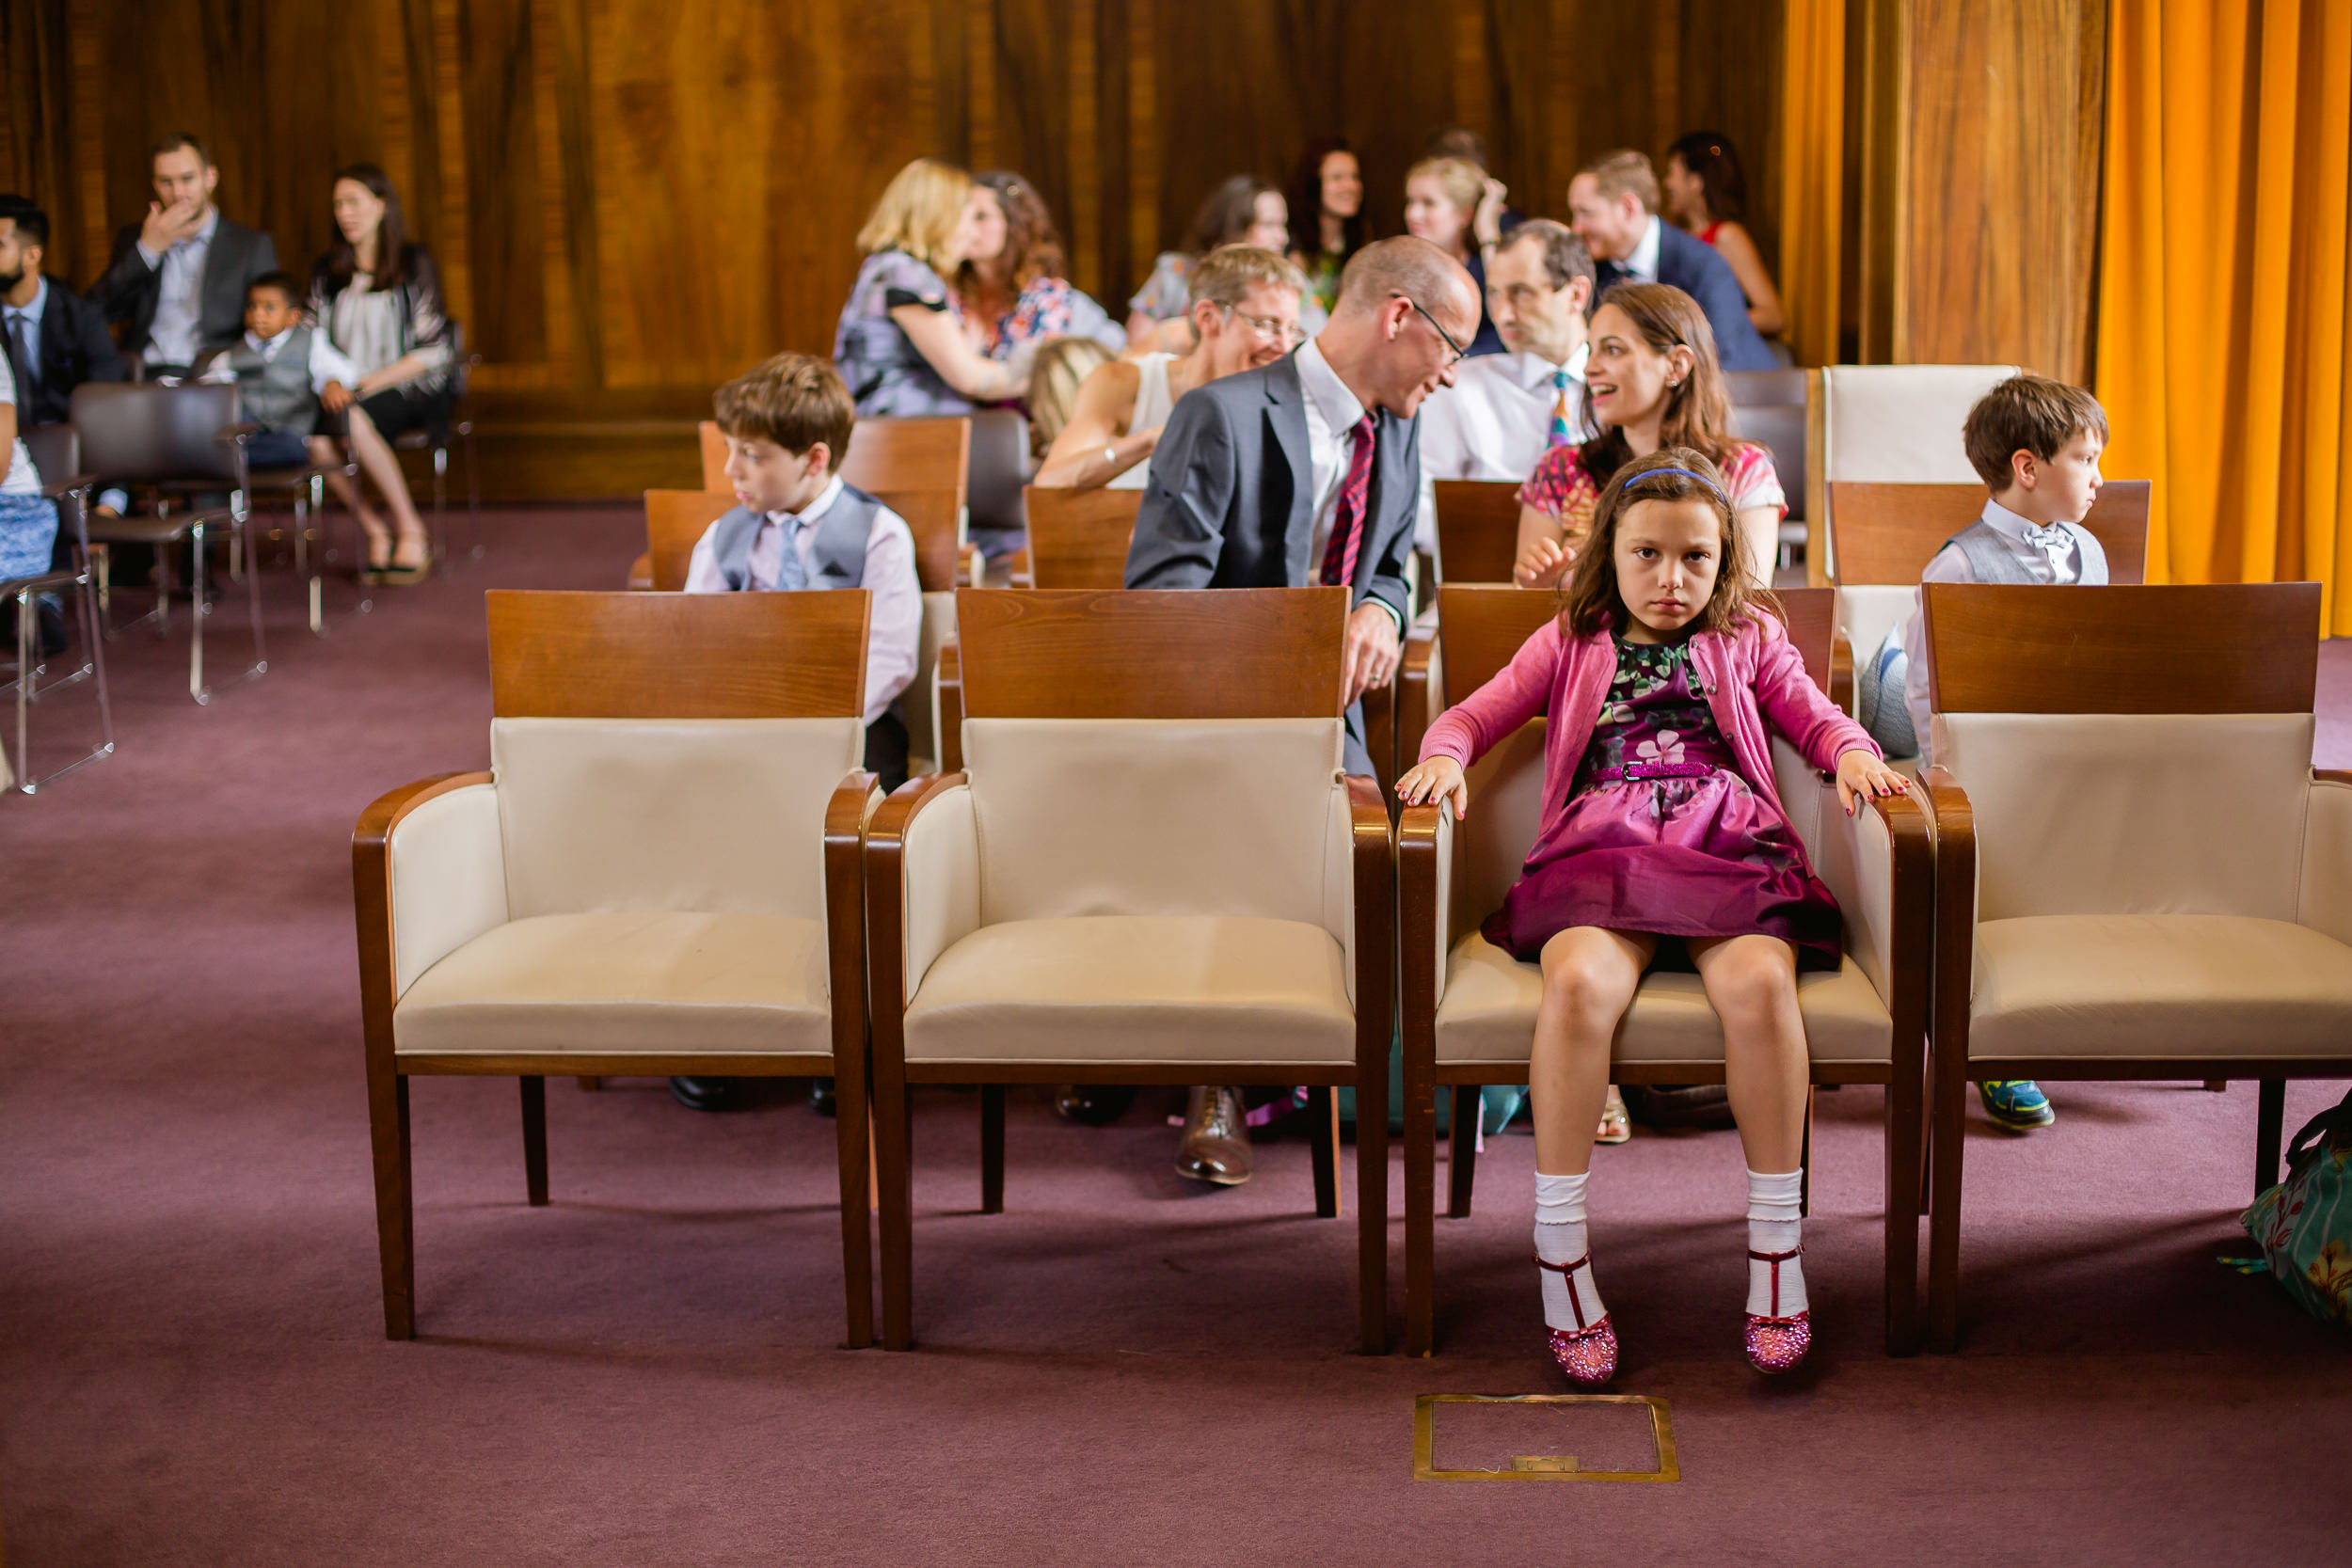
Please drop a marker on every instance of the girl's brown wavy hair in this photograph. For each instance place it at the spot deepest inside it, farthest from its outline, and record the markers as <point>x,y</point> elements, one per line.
<point>1590,603</point>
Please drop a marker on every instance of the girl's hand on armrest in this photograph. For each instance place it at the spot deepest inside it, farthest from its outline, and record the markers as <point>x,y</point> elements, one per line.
<point>1437,781</point>
<point>1859,773</point>
<point>1541,565</point>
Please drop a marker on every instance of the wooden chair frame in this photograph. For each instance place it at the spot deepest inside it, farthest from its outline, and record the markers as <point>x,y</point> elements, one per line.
<point>2234,648</point>
<point>1478,529</point>
<point>1481,648</point>
<point>561,655</point>
<point>1887,533</point>
<point>1066,670</point>
<point>1079,538</point>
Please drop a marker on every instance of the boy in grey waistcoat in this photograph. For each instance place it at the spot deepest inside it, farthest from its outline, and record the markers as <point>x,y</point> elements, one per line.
<point>2035,442</point>
<point>281,367</point>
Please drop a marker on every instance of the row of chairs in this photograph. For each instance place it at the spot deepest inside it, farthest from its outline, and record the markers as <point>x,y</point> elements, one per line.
<point>1084,901</point>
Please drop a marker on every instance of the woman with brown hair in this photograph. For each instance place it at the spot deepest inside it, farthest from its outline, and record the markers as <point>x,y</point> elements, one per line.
<point>1328,192</point>
<point>1245,209</point>
<point>1011,285</point>
<point>1651,380</point>
<point>377,297</point>
<point>1707,192</point>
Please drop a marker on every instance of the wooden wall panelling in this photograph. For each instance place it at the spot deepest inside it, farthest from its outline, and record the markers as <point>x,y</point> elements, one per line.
<point>496,132</point>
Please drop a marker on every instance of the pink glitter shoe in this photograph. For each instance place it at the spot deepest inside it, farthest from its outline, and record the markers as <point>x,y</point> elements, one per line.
<point>1587,1353</point>
<point>1777,1345</point>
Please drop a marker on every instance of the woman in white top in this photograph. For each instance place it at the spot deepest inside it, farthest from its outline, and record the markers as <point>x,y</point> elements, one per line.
<point>1245,313</point>
<point>377,296</point>
<point>28,519</point>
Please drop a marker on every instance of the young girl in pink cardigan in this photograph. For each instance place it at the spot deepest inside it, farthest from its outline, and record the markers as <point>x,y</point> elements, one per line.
<point>1662,839</point>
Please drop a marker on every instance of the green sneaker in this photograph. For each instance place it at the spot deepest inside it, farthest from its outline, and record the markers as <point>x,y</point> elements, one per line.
<point>2016,1104</point>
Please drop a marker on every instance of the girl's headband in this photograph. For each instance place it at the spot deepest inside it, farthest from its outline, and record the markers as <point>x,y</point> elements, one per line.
<point>1652,473</point>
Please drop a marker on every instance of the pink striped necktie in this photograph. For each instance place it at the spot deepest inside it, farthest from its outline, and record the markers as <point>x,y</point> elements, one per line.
<point>1347,518</point>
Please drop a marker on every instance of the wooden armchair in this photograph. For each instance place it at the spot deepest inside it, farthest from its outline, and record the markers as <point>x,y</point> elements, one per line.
<point>2138,876</point>
<point>1151,871</point>
<point>1478,529</point>
<point>1469,1008</point>
<point>1079,538</point>
<point>595,904</point>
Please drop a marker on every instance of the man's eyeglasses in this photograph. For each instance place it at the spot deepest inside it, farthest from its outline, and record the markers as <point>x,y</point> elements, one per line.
<point>1458,350</point>
<point>1285,333</point>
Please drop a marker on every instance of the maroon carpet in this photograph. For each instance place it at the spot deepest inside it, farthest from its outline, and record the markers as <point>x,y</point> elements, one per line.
<point>1119,1370</point>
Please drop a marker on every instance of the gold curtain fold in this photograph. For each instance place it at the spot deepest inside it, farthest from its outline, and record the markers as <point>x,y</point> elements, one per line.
<point>1812,175</point>
<point>2225,297</point>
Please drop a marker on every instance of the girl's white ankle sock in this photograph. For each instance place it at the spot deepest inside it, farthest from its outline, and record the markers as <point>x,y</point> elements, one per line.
<point>1560,1237</point>
<point>1773,1227</point>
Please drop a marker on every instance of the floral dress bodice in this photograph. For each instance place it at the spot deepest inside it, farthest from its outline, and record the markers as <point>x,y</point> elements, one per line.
<point>1653,712</point>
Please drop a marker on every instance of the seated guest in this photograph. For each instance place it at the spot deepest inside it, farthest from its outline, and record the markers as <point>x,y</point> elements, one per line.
<point>1056,378</point>
<point>282,371</point>
<point>1612,205</point>
<point>178,278</point>
<point>1506,410</point>
<point>377,297</point>
<point>1243,211</point>
<point>797,526</point>
<point>1460,141</point>
<point>2036,443</point>
<point>56,340</point>
<point>1305,471</point>
<point>1650,380</point>
<point>901,345</point>
<point>1708,195</point>
<point>1451,203</point>
<point>1010,286</point>
<point>1245,313</point>
<point>1328,188</point>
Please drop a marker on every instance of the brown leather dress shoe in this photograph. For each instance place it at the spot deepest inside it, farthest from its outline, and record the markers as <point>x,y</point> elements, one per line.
<point>1215,1146</point>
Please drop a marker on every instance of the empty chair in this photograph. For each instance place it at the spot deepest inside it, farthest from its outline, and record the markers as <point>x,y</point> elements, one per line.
<point>1899,423</point>
<point>1151,871</point>
<point>600,903</point>
<point>1478,529</point>
<point>1470,1007</point>
<point>185,438</point>
<point>2138,876</point>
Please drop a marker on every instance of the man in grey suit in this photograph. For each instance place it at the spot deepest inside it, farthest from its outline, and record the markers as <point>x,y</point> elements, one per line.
<point>1306,471</point>
<point>178,278</point>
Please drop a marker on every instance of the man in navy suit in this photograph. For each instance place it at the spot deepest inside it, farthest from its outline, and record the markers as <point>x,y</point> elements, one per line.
<point>1613,206</point>
<point>54,338</point>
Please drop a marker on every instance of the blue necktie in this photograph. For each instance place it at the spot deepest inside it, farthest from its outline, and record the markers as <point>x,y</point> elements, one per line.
<point>789,574</point>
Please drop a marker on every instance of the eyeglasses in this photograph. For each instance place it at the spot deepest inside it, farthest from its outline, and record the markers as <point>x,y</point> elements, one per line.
<point>1268,326</point>
<point>1458,350</point>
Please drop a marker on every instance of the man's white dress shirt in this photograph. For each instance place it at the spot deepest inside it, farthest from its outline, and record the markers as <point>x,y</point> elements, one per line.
<point>1492,423</point>
<point>177,329</point>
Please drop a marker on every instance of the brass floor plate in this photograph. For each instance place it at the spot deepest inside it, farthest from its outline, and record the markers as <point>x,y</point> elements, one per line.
<point>1541,1467</point>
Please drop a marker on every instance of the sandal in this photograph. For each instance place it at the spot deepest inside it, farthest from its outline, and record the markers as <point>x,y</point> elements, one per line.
<point>1587,1353</point>
<point>1777,1345</point>
<point>1615,1126</point>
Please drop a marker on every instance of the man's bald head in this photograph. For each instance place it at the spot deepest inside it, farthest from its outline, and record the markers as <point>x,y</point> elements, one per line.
<point>1422,272</point>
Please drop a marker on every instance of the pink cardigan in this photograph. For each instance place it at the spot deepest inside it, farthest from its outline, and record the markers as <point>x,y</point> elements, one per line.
<point>1752,675</point>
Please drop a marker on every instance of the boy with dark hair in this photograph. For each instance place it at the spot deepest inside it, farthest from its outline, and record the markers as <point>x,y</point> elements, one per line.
<point>796,524</point>
<point>2035,443</point>
<point>281,367</point>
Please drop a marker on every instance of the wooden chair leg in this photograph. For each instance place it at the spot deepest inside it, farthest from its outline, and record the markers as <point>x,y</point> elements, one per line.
<point>535,1140</point>
<point>1905,1140</point>
<point>1371,1205</point>
<point>2270,1111</point>
<point>991,1148</point>
<point>1462,1129</point>
<point>893,1113</point>
<point>589,1085</point>
<point>1945,1145</point>
<point>852,1130</point>
<point>1323,1131</point>
<point>1420,1208</point>
<point>395,1227</point>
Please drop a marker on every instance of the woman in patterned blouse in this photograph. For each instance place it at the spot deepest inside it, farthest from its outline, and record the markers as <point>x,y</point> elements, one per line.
<point>1651,380</point>
<point>1011,285</point>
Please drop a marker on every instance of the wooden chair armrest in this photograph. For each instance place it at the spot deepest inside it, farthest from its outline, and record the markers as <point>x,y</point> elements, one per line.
<point>371,895</point>
<point>948,682</point>
<point>641,573</point>
<point>1841,671</point>
<point>1912,943</point>
<point>1413,672</point>
<point>2331,775</point>
<point>887,901</point>
<point>1374,842</point>
<point>1423,835</point>
<point>971,567</point>
<point>845,816</point>
<point>1955,833</point>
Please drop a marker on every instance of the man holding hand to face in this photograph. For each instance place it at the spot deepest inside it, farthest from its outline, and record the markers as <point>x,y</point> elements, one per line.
<point>179,278</point>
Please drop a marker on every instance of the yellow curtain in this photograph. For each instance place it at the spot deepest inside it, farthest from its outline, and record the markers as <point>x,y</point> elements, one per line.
<point>2224,333</point>
<point>1812,175</point>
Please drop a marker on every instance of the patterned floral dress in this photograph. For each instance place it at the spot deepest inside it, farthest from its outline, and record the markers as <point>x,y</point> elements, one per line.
<point>1662,835</point>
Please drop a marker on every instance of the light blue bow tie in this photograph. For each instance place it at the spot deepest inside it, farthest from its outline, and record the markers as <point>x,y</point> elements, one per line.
<point>2052,536</point>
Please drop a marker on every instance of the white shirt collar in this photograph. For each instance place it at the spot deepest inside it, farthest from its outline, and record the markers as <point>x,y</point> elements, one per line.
<point>263,345</point>
<point>204,235</point>
<point>1534,372</point>
<point>34,307</point>
<point>1340,408</point>
<point>1642,264</point>
<point>2002,520</point>
<point>815,509</point>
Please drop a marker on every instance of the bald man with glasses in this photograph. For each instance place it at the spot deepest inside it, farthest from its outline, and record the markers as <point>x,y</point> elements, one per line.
<point>1305,472</point>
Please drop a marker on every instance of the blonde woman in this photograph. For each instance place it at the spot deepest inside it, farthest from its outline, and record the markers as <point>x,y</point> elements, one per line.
<point>1454,205</point>
<point>901,346</point>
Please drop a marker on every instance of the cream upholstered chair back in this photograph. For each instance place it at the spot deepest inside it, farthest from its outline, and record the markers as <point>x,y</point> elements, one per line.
<point>719,804</point>
<point>2129,750</point>
<point>1888,424</point>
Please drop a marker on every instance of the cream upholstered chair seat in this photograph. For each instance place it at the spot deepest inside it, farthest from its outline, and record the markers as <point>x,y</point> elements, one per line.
<point>1488,1016</point>
<point>1164,988</point>
<point>630,982</point>
<point>2159,985</point>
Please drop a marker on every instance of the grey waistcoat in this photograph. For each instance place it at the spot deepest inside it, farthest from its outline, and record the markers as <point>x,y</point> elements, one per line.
<point>275,393</point>
<point>1992,559</point>
<point>836,557</point>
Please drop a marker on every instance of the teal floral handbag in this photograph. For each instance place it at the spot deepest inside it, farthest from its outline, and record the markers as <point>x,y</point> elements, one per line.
<point>2304,1224</point>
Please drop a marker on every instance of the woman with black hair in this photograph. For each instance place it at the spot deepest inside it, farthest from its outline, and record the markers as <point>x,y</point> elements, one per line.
<point>1707,192</point>
<point>1327,193</point>
<point>1245,209</point>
